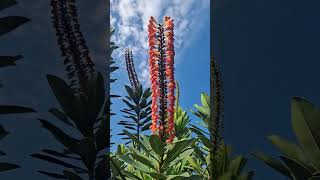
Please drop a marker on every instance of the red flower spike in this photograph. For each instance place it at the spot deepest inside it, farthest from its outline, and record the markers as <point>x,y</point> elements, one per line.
<point>161,63</point>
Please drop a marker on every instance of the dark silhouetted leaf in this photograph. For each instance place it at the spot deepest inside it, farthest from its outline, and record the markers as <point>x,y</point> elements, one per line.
<point>102,169</point>
<point>3,132</point>
<point>58,154</point>
<point>63,138</point>
<point>6,4</point>
<point>71,175</point>
<point>9,60</point>
<point>53,175</point>
<point>7,166</point>
<point>54,160</point>
<point>60,115</point>
<point>10,23</point>
<point>14,109</point>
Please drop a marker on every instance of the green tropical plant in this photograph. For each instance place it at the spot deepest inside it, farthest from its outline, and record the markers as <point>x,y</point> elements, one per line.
<point>181,118</point>
<point>302,160</point>
<point>156,159</point>
<point>85,108</point>
<point>138,111</point>
<point>225,166</point>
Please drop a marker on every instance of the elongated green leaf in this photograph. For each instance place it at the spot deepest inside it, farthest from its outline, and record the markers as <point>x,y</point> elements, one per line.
<point>156,144</point>
<point>14,109</point>
<point>135,164</point>
<point>205,100</point>
<point>226,176</point>
<point>296,169</point>
<point>306,125</point>
<point>7,166</point>
<point>273,163</point>
<point>143,160</point>
<point>177,149</point>
<point>6,4</point>
<point>158,176</point>
<point>287,148</point>
<point>235,166</point>
<point>134,139</point>
<point>10,23</point>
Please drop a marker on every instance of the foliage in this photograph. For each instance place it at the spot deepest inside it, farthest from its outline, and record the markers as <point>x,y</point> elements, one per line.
<point>225,167</point>
<point>85,108</point>
<point>302,160</point>
<point>138,111</point>
<point>156,160</point>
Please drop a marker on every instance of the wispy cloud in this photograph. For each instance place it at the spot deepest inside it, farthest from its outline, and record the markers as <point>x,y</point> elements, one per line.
<point>130,19</point>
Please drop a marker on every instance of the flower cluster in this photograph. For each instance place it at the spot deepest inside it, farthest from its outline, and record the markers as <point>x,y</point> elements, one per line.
<point>134,81</point>
<point>161,62</point>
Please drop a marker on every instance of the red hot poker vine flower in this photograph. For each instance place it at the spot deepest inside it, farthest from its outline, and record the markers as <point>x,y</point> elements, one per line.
<point>161,63</point>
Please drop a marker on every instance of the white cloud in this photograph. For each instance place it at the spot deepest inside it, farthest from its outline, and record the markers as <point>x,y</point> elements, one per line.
<point>130,19</point>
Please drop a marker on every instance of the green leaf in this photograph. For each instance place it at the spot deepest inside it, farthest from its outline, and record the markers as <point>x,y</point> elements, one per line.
<point>158,176</point>
<point>143,160</point>
<point>297,170</point>
<point>287,148</point>
<point>306,125</point>
<point>135,139</point>
<point>273,163</point>
<point>235,166</point>
<point>205,100</point>
<point>156,144</point>
<point>10,23</point>
<point>146,127</point>
<point>7,166</point>
<point>177,149</point>
<point>14,109</point>
<point>6,4</point>
<point>135,164</point>
<point>226,176</point>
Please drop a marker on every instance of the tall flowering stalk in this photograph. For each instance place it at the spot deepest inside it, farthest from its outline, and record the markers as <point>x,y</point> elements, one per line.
<point>161,63</point>
<point>134,81</point>
<point>77,60</point>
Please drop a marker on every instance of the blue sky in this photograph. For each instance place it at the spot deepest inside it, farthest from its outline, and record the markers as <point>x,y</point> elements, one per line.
<point>192,43</point>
